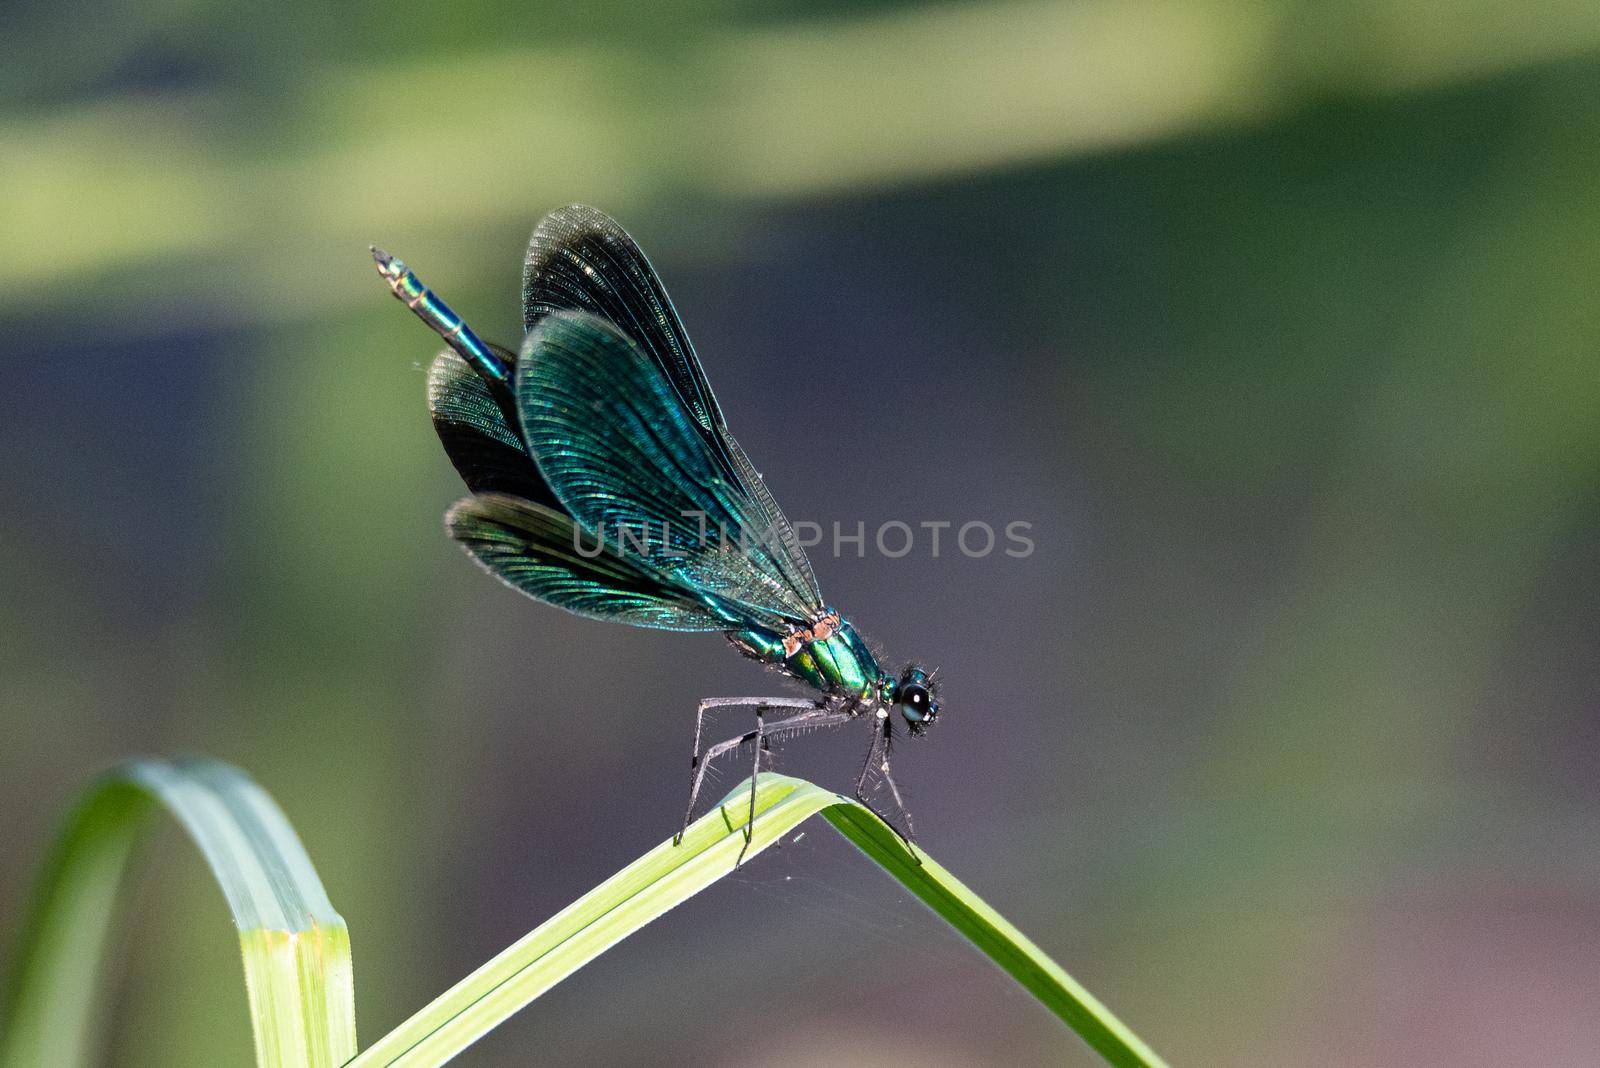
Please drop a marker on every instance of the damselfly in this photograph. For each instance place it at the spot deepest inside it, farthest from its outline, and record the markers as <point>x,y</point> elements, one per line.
<point>604,481</point>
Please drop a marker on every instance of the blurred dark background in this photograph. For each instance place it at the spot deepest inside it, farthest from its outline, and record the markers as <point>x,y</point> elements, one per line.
<point>1276,319</point>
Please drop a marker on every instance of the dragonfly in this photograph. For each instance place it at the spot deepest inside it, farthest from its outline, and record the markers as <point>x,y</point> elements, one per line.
<point>603,480</point>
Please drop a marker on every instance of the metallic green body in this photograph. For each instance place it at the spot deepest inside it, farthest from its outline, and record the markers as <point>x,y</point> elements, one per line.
<point>840,665</point>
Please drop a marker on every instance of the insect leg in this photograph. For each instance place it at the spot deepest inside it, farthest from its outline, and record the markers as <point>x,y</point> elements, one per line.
<point>700,761</point>
<point>755,778</point>
<point>911,832</point>
<point>815,719</point>
<point>812,719</point>
<point>866,768</point>
<point>880,739</point>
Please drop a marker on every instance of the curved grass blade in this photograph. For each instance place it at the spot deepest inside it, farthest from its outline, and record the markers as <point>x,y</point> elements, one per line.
<point>667,875</point>
<point>296,947</point>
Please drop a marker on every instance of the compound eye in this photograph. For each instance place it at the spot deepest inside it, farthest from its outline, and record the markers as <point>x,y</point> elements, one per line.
<point>916,705</point>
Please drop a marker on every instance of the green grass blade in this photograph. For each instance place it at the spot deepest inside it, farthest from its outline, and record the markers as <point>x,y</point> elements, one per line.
<point>668,875</point>
<point>296,948</point>
<point>994,935</point>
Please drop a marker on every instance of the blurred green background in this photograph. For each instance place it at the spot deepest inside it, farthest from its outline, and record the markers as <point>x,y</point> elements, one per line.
<point>1276,319</point>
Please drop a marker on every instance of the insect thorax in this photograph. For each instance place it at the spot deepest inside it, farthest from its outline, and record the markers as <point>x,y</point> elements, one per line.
<point>839,663</point>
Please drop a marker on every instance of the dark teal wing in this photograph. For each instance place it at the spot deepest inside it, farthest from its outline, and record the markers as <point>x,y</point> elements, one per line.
<point>536,550</point>
<point>581,260</point>
<point>479,434</point>
<point>624,457</point>
<point>515,528</point>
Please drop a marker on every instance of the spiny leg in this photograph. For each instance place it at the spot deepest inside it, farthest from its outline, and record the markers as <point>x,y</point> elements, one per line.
<point>755,779</point>
<point>809,720</point>
<point>911,832</point>
<point>866,767</point>
<point>888,777</point>
<point>881,737</point>
<point>699,762</point>
<point>814,719</point>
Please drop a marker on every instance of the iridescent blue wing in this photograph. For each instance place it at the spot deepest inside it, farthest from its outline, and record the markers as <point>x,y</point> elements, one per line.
<point>581,260</point>
<point>536,550</point>
<point>627,461</point>
<point>478,431</point>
